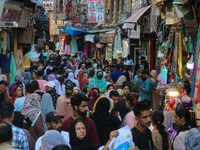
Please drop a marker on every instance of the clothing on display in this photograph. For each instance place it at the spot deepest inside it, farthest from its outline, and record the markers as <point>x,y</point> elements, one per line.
<point>74,47</point>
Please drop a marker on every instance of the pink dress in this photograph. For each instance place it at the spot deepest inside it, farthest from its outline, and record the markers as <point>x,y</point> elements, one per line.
<point>67,49</point>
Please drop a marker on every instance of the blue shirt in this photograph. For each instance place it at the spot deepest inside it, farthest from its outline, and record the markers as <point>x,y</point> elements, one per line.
<point>19,140</point>
<point>19,103</point>
<point>115,75</point>
<point>146,93</point>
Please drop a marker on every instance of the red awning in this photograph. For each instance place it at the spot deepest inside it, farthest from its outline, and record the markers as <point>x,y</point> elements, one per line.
<point>135,17</point>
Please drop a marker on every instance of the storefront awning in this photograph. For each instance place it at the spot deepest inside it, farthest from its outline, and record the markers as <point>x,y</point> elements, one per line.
<point>74,31</point>
<point>129,23</point>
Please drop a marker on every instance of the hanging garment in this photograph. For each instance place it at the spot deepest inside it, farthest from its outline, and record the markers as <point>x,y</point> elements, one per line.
<point>8,42</point>
<point>32,55</point>
<point>40,43</point>
<point>19,62</point>
<point>74,48</point>
<point>67,49</point>
<point>13,71</point>
<point>180,55</point>
<point>5,63</point>
<point>91,47</point>
<point>26,62</point>
<point>67,39</point>
<point>85,52</point>
<point>58,46</point>
<point>4,42</point>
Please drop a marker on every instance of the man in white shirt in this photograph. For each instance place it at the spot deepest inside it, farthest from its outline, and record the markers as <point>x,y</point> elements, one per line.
<point>54,122</point>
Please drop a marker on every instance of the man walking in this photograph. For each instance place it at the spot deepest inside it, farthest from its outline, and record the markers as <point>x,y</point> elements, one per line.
<point>80,106</point>
<point>19,140</point>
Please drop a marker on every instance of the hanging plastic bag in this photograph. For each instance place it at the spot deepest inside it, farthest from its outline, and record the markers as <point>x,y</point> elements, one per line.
<point>32,55</point>
<point>164,75</point>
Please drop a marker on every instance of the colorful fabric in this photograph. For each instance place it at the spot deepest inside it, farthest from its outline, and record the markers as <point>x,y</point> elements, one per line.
<point>4,42</point>
<point>180,55</point>
<point>67,49</point>
<point>32,107</point>
<point>13,71</point>
<point>74,47</point>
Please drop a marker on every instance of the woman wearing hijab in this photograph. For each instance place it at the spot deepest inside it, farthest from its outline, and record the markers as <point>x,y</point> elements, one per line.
<point>93,97</point>
<point>83,81</point>
<point>34,75</point>
<point>17,78</point>
<point>120,81</point>
<point>3,93</point>
<point>104,120</point>
<point>17,93</point>
<point>57,83</point>
<point>71,77</point>
<point>78,141</point>
<point>27,78</point>
<point>47,106</point>
<point>32,109</point>
<point>98,81</point>
<point>51,139</point>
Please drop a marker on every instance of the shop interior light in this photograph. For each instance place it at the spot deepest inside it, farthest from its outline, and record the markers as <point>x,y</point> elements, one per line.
<point>190,64</point>
<point>173,93</point>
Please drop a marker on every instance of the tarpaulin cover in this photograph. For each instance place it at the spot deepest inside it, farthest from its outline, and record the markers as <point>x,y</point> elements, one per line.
<point>74,31</point>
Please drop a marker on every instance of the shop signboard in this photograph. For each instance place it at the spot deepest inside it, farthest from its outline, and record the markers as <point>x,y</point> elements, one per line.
<point>135,34</point>
<point>95,10</point>
<point>12,15</point>
<point>48,5</point>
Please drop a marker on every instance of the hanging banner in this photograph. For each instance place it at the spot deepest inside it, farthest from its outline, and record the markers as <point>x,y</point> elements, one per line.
<point>135,34</point>
<point>95,10</point>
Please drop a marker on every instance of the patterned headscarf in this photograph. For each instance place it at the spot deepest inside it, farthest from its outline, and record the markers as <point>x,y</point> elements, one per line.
<point>32,108</point>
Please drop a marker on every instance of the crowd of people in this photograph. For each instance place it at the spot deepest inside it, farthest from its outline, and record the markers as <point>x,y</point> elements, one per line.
<point>78,103</point>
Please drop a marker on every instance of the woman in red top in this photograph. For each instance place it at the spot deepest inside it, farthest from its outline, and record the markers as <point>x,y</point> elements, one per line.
<point>83,81</point>
<point>16,93</point>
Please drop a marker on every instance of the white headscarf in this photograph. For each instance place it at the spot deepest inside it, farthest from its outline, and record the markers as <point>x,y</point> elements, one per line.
<point>71,77</point>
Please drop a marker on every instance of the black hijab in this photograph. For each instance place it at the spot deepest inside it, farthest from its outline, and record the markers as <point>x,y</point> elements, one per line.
<point>104,120</point>
<point>77,144</point>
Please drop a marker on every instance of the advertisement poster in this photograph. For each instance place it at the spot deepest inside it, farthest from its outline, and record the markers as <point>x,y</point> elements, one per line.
<point>95,10</point>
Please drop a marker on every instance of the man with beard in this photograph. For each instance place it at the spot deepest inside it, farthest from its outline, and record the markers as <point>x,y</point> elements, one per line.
<point>141,134</point>
<point>50,88</point>
<point>80,106</point>
<point>146,88</point>
<point>63,106</point>
<point>54,122</point>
